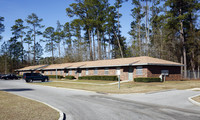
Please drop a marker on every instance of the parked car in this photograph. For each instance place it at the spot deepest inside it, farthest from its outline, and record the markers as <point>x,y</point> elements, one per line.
<point>1,75</point>
<point>30,77</point>
<point>9,76</point>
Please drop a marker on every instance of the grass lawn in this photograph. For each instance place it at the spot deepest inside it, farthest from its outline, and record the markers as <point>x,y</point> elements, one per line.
<point>85,81</point>
<point>129,87</point>
<point>197,99</point>
<point>13,107</point>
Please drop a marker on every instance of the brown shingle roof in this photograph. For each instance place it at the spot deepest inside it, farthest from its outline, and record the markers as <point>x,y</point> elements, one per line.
<point>134,61</point>
<point>36,67</point>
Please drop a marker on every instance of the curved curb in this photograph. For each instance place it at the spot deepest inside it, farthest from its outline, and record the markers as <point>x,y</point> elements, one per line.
<point>193,101</point>
<point>62,115</point>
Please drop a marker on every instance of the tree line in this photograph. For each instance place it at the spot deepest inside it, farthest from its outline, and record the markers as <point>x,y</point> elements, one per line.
<point>167,29</point>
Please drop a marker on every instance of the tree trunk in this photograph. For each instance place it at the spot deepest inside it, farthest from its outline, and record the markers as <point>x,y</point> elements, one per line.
<point>119,45</point>
<point>89,32</point>
<point>182,66</point>
<point>22,51</point>
<point>118,20</point>
<point>79,48</point>
<point>52,52</point>
<point>109,55</point>
<point>99,46</point>
<point>94,55</point>
<point>105,54</point>
<point>29,59</point>
<point>6,63</point>
<point>146,29</point>
<point>198,73</point>
<point>34,45</point>
<point>140,47</point>
<point>182,37</point>
<point>161,44</point>
<point>193,65</point>
<point>59,49</point>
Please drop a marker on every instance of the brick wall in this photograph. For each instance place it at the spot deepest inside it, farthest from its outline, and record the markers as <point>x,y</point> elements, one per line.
<point>147,71</point>
<point>144,72</point>
<point>174,72</point>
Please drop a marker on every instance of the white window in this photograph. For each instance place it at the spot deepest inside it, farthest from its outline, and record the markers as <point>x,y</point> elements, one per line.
<point>106,71</point>
<point>139,70</point>
<point>86,72</point>
<point>165,72</point>
<point>79,72</point>
<point>95,71</point>
<point>67,73</point>
<point>51,72</point>
<point>70,72</point>
<point>61,72</point>
<point>47,72</point>
<point>118,71</point>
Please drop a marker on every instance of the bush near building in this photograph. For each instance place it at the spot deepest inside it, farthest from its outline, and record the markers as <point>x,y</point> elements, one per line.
<point>147,79</point>
<point>54,76</point>
<point>111,78</point>
<point>70,77</point>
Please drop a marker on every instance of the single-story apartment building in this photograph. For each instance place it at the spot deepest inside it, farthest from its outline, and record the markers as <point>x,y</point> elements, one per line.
<point>127,68</point>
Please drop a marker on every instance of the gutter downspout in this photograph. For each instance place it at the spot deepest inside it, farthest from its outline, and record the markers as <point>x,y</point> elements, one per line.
<point>56,74</point>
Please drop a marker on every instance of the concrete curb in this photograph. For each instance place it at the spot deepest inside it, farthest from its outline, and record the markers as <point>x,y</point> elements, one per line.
<point>193,101</point>
<point>62,115</point>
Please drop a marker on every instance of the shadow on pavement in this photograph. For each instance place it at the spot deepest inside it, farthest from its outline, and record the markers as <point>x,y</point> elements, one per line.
<point>17,89</point>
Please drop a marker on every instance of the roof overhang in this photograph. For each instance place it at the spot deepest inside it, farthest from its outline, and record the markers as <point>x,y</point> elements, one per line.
<point>39,68</point>
<point>125,65</point>
<point>153,64</point>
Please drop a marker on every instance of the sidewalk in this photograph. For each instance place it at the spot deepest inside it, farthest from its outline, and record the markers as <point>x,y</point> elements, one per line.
<point>172,98</point>
<point>114,83</point>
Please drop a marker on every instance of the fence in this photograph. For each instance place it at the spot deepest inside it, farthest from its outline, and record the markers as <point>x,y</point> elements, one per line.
<point>191,75</point>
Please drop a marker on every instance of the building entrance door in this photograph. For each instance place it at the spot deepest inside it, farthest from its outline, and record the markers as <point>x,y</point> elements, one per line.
<point>130,73</point>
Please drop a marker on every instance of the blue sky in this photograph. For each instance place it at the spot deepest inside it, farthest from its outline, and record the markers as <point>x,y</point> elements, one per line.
<point>50,11</point>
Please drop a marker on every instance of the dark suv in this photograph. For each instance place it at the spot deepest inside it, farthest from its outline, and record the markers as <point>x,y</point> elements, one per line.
<point>30,77</point>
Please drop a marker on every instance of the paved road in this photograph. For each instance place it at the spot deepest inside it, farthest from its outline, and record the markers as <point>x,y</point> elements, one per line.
<point>173,98</point>
<point>82,105</point>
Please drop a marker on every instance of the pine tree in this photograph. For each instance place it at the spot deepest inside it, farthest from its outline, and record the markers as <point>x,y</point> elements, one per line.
<point>136,25</point>
<point>67,39</point>
<point>178,16</point>
<point>35,27</point>
<point>28,39</point>
<point>18,32</point>
<point>49,35</point>
<point>38,52</point>
<point>76,32</point>
<point>2,27</point>
<point>58,36</point>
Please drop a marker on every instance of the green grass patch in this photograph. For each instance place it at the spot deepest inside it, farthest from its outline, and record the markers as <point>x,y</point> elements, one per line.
<point>13,107</point>
<point>128,87</point>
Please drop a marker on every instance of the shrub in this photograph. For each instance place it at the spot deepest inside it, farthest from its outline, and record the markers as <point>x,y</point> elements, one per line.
<point>20,75</point>
<point>54,76</point>
<point>110,78</point>
<point>70,77</point>
<point>147,80</point>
